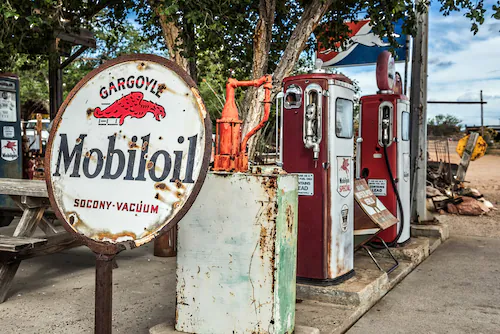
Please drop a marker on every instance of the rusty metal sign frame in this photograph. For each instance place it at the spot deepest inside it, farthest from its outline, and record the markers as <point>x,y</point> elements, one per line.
<point>106,251</point>
<point>103,247</point>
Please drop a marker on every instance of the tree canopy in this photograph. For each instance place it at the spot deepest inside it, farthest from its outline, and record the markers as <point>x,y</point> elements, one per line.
<point>211,39</point>
<point>443,125</point>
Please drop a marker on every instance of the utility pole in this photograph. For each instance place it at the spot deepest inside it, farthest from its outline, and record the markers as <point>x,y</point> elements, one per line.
<point>482,116</point>
<point>418,107</point>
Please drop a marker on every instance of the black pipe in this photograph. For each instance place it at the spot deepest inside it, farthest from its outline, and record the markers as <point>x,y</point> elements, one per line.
<point>400,205</point>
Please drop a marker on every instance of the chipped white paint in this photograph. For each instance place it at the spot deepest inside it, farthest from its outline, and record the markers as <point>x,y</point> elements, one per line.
<point>341,185</point>
<point>236,256</point>
<point>403,167</point>
<point>127,151</point>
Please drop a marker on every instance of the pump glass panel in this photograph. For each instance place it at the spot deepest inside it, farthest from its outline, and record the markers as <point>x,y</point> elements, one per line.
<point>293,97</point>
<point>344,118</point>
<point>405,126</point>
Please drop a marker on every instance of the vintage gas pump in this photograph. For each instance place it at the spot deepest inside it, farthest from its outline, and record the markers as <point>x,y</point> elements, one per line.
<point>316,142</point>
<point>384,147</point>
<point>11,164</point>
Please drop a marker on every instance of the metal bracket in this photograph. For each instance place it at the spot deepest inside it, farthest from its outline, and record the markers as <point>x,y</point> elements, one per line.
<point>376,262</point>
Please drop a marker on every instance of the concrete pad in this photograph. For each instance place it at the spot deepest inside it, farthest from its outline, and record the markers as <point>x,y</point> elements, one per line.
<point>414,250</point>
<point>454,291</point>
<point>368,281</point>
<point>168,328</point>
<point>434,243</point>
<point>439,230</point>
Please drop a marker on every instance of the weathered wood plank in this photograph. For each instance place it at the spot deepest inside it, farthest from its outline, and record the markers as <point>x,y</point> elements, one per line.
<point>28,222</point>
<point>464,162</point>
<point>7,273</point>
<point>15,244</point>
<point>54,244</point>
<point>25,228</point>
<point>47,227</point>
<point>21,187</point>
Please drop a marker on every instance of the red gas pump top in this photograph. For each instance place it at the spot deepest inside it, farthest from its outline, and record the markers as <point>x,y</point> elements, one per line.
<point>320,75</point>
<point>388,80</point>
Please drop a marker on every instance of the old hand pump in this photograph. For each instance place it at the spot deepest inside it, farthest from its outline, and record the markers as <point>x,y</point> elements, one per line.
<point>230,151</point>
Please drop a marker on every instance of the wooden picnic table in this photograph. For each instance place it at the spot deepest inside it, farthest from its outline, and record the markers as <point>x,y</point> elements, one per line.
<point>32,198</point>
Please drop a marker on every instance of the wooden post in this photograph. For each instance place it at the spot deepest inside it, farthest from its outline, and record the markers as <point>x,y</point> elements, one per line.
<point>418,107</point>
<point>482,116</point>
<point>464,162</point>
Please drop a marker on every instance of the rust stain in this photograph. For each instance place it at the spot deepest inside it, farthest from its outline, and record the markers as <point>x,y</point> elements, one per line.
<point>270,185</point>
<point>108,235</point>
<point>289,218</point>
<point>78,140</point>
<point>263,240</point>
<point>132,144</point>
<point>145,146</point>
<point>82,228</point>
<point>340,262</point>
<point>162,186</point>
<point>272,258</point>
<point>149,165</point>
<point>90,112</point>
<point>142,66</point>
<point>179,184</point>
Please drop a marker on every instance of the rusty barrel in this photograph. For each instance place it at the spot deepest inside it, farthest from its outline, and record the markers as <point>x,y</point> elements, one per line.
<point>166,244</point>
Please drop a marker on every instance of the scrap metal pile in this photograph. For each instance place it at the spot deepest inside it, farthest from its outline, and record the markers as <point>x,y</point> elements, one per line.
<point>446,186</point>
<point>466,201</point>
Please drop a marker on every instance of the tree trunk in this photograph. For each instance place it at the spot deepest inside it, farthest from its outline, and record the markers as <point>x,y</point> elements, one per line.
<point>253,107</point>
<point>188,36</point>
<point>176,39</point>
<point>313,12</point>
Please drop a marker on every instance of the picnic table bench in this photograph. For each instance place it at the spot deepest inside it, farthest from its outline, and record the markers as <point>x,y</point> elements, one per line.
<point>32,198</point>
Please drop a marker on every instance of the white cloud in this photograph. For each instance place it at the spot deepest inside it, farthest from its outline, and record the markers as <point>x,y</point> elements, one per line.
<point>460,65</point>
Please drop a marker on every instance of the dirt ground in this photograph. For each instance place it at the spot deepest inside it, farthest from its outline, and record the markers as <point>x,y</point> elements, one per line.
<point>484,175</point>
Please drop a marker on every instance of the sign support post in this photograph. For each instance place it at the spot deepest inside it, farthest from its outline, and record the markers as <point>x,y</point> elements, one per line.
<point>104,293</point>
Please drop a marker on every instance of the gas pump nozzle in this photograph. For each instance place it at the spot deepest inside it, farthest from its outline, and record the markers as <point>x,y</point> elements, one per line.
<point>311,139</point>
<point>385,131</point>
<point>386,122</point>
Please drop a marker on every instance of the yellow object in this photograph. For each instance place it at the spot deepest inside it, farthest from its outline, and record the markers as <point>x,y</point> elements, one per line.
<point>478,151</point>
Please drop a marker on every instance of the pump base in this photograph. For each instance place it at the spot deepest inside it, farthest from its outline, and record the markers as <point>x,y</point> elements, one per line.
<point>326,281</point>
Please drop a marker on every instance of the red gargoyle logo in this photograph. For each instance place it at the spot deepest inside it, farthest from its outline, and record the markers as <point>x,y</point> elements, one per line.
<point>132,105</point>
<point>345,165</point>
<point>10,145</point>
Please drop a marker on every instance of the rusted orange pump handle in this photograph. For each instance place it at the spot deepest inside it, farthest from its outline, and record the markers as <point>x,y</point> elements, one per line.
<point>268,85</point>
<point>230,153</point>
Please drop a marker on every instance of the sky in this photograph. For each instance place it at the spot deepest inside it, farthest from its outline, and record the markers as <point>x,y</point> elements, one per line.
<point>460,66</point>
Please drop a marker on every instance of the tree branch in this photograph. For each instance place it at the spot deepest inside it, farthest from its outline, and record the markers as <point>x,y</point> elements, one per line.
<point>313,12</point>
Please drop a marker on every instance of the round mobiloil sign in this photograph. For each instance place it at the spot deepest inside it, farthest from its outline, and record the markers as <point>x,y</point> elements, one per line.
<point>128,151</point>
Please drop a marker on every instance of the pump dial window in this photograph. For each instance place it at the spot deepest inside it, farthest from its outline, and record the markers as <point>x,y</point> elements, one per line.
<point>344,118</point>
<point>293,97</point>
<point>405,126</point>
